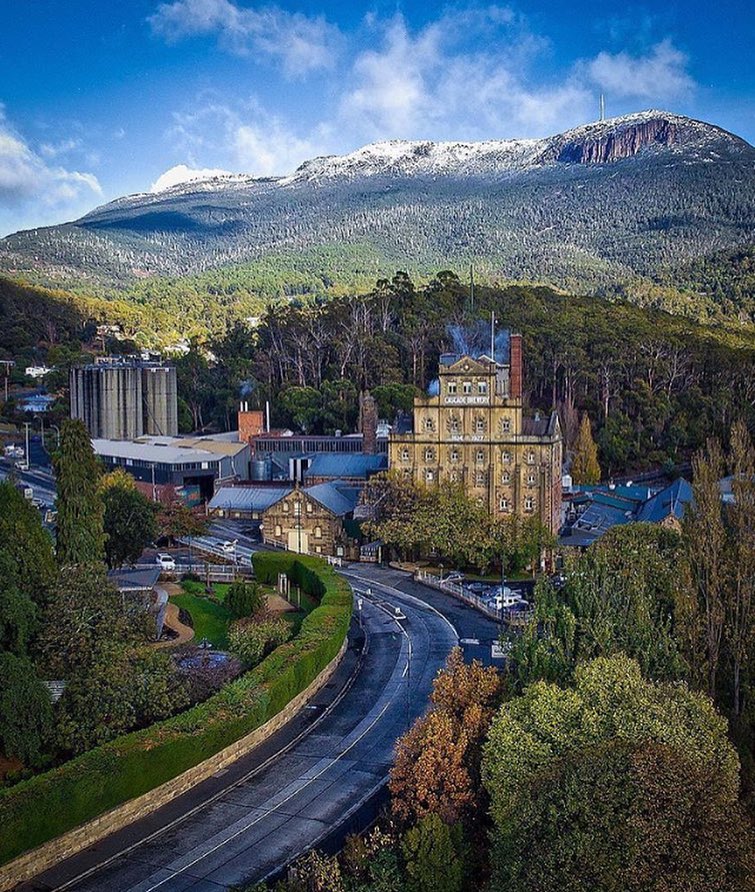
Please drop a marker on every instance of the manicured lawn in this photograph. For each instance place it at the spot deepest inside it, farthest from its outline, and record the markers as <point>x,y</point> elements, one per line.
<point>209,618</point>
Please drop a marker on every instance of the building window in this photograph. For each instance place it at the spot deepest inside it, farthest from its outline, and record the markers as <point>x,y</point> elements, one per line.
<point>479,478</point>
<point>503,504</point>
<point>530,458</point>
<point>454,455</point>
<point>479,425</point>
<point>467,387</point>
<point>480,457</point>
<point>452,387</point>
<point>286,508</point>
<point>531,479</point>
<point>506,458</point>
<point>482,386</point>
<point>339,551</point>
<point>297,508</point>
<point>309,507</point>
<point>429,424</point>
<point>454,477</point>
<point>404,454</point>
<point>505,425</point>
<point>429,455</point>
<point>454,425</point>
<point>429,475</point>
<point>318,532</point>
<point>505,477</point>
<point>529,503</point>
<point>277,529</point>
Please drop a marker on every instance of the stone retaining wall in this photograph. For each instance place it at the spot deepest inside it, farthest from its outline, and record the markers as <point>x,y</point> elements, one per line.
<point>45,856</point>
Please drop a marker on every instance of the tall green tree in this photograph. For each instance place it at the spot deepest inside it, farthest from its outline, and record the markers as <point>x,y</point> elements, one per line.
<point>129,519</point>
<point>585,467</point>
<point>80,533</point>
<point>25,709</point>
<point>30,564</point>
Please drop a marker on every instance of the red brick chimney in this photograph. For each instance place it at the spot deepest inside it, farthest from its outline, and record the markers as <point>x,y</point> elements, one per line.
<point>251,424</point>
<point>517,384</point>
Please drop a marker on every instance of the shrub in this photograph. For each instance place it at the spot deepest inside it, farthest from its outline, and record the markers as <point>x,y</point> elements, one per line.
<point>255,636</point>
<point>244,598</point>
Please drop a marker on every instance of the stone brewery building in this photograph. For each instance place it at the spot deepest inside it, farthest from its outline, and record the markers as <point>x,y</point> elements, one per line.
<point>470,429</point>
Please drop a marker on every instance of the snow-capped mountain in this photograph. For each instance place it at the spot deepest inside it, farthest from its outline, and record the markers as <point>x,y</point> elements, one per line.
<point>604,203</point>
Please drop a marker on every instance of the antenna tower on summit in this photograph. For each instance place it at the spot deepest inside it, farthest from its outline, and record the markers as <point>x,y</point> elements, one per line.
<point>602,107</point>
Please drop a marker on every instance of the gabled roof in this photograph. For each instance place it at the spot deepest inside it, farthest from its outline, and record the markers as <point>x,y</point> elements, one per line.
<point>541,426</point>
<point>457,361</point>
<point>247,498</point>
<point>669,502</point>
<point>349,464</point>
<point>339,500</point>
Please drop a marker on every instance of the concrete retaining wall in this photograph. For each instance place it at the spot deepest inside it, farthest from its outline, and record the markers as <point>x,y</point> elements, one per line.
<point>31,863</point>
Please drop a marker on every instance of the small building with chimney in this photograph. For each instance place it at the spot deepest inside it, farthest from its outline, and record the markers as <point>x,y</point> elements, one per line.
<point>470,428</point>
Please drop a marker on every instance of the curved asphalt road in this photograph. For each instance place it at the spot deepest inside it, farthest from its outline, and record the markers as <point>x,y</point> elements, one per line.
<point>304,783</point>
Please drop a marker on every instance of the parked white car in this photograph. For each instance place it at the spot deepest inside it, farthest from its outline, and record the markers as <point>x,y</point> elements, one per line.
<point>166,562</point>
<point>229,547</point>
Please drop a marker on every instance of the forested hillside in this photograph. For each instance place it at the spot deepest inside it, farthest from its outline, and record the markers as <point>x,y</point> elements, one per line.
<point>620,207</point>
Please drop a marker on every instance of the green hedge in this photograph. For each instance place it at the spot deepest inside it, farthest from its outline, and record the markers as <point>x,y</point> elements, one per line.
<point>49,804</point>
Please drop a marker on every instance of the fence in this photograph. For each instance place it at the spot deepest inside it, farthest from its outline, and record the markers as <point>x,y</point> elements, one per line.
<point>216,572</point>
<point>507,615</point>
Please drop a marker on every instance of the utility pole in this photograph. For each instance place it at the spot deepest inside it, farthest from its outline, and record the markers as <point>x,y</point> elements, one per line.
<point>27,425</point>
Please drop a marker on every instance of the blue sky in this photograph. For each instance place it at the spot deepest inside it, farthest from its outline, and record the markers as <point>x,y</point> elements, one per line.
<point>99,99</point>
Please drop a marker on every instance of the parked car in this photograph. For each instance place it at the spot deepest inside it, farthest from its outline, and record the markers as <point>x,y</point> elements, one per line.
<point>455,577</point>
<point>166,562</point>
<point>228,547</point>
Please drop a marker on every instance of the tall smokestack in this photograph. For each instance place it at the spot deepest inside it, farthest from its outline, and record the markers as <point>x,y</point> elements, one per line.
<point>368,421</point>
<point>516,386</point>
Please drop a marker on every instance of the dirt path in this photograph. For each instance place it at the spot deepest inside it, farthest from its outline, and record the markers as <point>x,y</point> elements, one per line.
<point>185,633</point>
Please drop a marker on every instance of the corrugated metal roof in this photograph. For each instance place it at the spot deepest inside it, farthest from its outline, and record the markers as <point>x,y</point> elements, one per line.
<point>247,498</point>
<point>669,502</point>
<point>171,450</point>
<point>349,464</point>
<point>338,499</point>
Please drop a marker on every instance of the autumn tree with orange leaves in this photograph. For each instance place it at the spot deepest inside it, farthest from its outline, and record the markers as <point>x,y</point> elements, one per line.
<point>437,766</point>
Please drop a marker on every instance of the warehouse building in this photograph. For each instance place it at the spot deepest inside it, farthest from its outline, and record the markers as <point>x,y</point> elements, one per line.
<point>198,463</point>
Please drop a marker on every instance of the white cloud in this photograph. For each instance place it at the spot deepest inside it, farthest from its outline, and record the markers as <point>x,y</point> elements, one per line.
<point>183,174</point>
<point>658,76</point>
<point>430,84</point>
<point>26,177</point>
<point>64,147</point>
<point>245,138</point>
<point>298,42</point>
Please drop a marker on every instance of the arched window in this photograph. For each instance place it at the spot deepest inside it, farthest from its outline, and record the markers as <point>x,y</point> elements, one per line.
<point>277,529</point>
<point>505,477</point>
<point>479,478</point>
<point>480,456</point>
<point>454,425</point>
<point>429,475</point>
<point>429,455</point>
<point>506,457</point>
<point>479,425</point>
<point>286,507</point>
<point>454,455</point>
<point>482,386</point>
<point>530,458</point>
<point>310,507</point>
<point>318,532</point>
<point>404,454</point>
<point>503,504</point>
<point>429,424</point>
<point>505,425</point>
<point>529,503</point>
<point>531,479</point>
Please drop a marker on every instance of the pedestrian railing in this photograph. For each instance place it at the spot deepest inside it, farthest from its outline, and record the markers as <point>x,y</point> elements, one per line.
<point>509,615</point>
